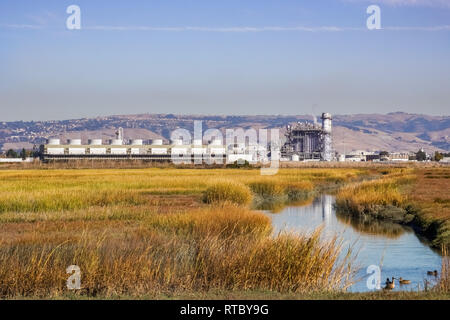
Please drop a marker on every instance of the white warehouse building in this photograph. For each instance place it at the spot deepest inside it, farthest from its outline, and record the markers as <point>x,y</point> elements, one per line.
<point>116,149</point>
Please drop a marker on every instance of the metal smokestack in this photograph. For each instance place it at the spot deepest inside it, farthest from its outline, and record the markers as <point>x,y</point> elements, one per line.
<point>327,143</point>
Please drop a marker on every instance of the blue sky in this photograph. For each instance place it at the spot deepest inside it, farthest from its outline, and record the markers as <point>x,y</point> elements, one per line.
<point>223,57</point>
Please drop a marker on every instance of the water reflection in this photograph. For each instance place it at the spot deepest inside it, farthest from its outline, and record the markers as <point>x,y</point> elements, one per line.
<point>273,205</point>
<point>372,226</point>
<point>277,204</point>
<point>396,249</point>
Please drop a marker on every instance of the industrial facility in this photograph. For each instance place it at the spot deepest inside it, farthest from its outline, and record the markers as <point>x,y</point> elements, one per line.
<point>304,142</point>
<point>307,141</point>
<point>177,151</point>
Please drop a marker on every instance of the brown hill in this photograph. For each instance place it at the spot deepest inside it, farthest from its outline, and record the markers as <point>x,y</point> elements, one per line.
<point>372,132</point>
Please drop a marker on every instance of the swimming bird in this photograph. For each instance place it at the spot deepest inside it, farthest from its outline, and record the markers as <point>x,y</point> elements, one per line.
<point>404,281</point>
<point>389,284</point>
<point>432,273</point>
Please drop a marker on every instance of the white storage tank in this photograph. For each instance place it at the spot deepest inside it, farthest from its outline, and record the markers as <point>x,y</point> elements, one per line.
<point>177,142</point>
<point>53,141</point>
<point>95,142</point>
<point>115,142</point>
<point>136,142</point>
<point>74,142</point>
<point>157,142</point>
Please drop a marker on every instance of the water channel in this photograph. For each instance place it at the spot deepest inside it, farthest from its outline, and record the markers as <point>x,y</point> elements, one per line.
<point>397,249</point>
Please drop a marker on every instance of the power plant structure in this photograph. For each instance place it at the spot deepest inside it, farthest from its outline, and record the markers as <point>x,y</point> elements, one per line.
<point>304,142</point>
<point>307,141</point>
<point>177,151</point>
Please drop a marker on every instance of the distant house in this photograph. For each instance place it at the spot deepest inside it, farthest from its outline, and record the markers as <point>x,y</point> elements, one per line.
<point>445,160</point>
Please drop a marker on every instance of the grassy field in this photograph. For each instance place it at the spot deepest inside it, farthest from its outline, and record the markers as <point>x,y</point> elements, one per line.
<point>173,233</point>
<point>416,196</point>
<point>158,231</point>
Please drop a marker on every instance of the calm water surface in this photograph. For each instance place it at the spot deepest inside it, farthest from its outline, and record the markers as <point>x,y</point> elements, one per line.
<point>397,248</point>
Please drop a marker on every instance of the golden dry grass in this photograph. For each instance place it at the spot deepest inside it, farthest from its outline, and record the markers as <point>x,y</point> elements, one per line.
<point>227,192</point>
<point>444,279</point>
<point>146,231</point>
<point>226,248</point>
<point>421,194</point>
<point>267,188</point>
<point>367,196</point>
<point>370,196</point>
<point>431,191</point>
<point>43,191</point>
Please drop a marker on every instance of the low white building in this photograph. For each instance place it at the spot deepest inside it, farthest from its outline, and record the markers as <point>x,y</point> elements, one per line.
<point>214,152</point>
<point>15,160</point>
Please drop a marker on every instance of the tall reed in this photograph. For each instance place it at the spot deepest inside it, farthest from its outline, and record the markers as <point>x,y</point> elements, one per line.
<point>154,263</point>
<point>444,280</point>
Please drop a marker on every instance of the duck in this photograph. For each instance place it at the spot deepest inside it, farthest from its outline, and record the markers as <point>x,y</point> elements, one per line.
<point>403,281</point>
<point>389,284</point>
<point>432,273</point>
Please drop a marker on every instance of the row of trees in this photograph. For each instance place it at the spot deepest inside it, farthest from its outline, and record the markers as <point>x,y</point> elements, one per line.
<point>22,154</point>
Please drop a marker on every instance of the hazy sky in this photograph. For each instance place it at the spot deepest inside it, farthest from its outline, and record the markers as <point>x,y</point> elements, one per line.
<point>222,57</point>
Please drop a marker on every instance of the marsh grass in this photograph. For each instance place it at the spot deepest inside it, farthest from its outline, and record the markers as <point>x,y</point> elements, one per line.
<point>146,231</point>
<point>227,192</point>
<point>405,196</point>
<point>274,195</point>
<point>444,280</point>
<point>267,188</point>
<point>299,191</point>
<point>68,190</point>
<point>178,253</point>
<point>378,198</point>
<point>368,196</point>
<point>223,221</point>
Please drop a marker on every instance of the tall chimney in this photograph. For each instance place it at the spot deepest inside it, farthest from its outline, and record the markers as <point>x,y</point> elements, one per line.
<point>327,143</point>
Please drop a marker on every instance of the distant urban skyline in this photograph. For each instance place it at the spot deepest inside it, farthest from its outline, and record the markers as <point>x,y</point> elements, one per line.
<point>223,58</point>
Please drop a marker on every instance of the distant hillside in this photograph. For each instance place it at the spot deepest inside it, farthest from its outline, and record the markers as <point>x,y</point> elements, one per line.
<point>373,132</point>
